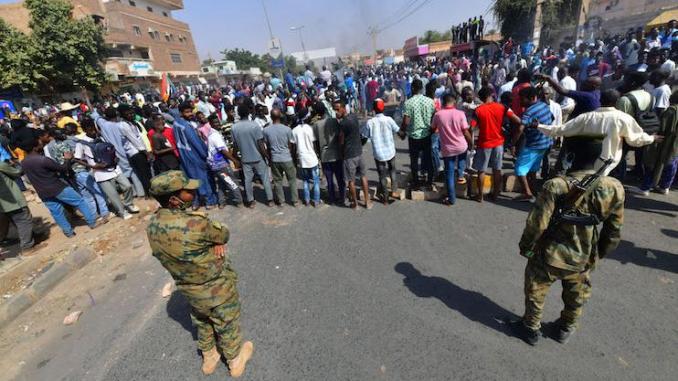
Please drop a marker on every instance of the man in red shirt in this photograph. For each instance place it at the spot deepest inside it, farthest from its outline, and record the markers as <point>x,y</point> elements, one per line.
<point>488,118</point>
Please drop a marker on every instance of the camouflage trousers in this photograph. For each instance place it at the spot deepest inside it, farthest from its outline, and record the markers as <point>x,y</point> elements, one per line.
<point>220,325</point>
<point>538,279</point>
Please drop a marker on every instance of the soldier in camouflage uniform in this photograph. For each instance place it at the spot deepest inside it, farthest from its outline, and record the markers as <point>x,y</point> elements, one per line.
<point>192,247</point>
<point>570,252</point>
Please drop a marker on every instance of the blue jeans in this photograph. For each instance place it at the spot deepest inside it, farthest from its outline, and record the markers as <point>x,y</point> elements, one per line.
<point>90,191</point>
<point>453,163</point>
<point>68,196</point>
<point>668,175</point>
<point>435,153</point>
<point>308,175</point>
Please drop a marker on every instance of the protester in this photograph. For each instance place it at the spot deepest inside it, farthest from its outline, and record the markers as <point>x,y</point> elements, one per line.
<point>106,172</point>
<point>326,131</point>
<point>248,139</point>
<point>14,207</point>
<point>281,151</point>
<point>193,155</point>
<point>135,147</point>
<point>307,160</point>
<point>380,130</point>
<point>52,190</point>
<point>352,152</point>
<point>455,140</point>
<point>530,157</point>
<point>417,115</point>
<point>219,159</point>
<point>488,118</point>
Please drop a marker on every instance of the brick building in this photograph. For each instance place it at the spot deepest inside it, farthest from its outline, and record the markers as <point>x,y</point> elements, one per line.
<point>143,38</point>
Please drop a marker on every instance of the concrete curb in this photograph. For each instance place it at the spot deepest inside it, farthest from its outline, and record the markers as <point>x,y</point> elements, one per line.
<point>50,278</point>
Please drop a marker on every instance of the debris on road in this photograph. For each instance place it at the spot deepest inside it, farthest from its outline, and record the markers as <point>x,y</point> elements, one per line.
<point>167,290</point>
<point>72,317</point>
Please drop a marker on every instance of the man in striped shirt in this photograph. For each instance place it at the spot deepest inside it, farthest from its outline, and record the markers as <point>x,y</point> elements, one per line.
<point>529,160</point>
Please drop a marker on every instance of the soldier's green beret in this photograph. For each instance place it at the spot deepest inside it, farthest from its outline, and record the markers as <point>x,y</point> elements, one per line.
<point>170,182</point>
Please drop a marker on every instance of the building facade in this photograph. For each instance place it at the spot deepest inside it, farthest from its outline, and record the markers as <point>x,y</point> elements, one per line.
<point>618,16</point>
<point>143,37</point>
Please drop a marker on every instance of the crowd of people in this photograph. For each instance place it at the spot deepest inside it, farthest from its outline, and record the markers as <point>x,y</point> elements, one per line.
<point>459,114</point>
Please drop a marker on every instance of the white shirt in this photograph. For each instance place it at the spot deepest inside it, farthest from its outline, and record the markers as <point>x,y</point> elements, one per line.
<point>568,83</point>
<point>661,96</point>
<point>463,84</point>
<point>507,87</point>
<point>326,75</point>
<point>612,125</point>
<point>84,152</point>
<point>304,138</point>
<point>557,113</point>
<point>133,141</point>
<point>668,66</point>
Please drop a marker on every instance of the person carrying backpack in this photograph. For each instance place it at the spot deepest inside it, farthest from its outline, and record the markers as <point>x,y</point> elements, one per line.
<point>99,156</point>
<point>639,104</point>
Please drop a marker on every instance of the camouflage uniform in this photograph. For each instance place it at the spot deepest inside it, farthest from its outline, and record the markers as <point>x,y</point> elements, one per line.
<point>184,244</point>
<point>570,253</point>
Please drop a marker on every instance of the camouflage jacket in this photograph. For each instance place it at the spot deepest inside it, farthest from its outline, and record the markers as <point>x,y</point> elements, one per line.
<point>183,242</point>
<point>571,247</point>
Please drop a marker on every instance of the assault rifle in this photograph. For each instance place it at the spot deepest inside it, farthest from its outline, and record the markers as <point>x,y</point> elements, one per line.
<point>566,206</point>
<point>565,211</point>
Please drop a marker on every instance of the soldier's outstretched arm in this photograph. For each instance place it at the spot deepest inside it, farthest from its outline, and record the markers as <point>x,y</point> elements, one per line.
<point>539,217</point>
<point>610,234</point>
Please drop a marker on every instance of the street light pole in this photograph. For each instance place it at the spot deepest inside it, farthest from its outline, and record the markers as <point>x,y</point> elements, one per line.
<point>270,32</point>
<point>301,38</point>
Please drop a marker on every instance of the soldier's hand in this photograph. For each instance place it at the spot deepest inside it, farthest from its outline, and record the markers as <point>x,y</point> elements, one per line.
<point>658,138</point>
<point>220,251</point>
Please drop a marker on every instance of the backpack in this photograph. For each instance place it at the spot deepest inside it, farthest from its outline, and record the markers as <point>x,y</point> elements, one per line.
<point>103,152</point>
<point>647,119</point>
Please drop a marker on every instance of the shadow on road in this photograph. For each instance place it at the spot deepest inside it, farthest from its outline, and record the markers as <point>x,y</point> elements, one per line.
<point>180,311</point>
<point>627,252</point>
<point>645,204</point>
<point>670,233</point>
<point>473,305</point>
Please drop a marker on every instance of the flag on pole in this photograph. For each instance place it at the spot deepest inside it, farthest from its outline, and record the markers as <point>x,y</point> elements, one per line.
<point>167,88</point>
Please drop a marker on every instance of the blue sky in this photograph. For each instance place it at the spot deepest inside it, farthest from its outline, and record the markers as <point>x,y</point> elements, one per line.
<point>343,24</point>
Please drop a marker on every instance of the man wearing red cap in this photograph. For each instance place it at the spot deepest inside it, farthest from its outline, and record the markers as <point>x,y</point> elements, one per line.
<point>381,129</point>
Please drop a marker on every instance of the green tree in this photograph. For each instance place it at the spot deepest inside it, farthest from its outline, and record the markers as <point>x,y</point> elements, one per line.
<point>69,51</point>
<point>16,59</point>
<point>516,17</point>
<point>244,59</point>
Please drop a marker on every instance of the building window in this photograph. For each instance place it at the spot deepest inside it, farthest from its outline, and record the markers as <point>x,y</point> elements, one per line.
<point>171,37</point>
<point>132,3</point>
<point>115,53</point>
<point>176,58</point>
<point>167,37</point>
<point>150,9</point>
<point>165,14</point>
<point>137,31</point>
<point>144,54</point>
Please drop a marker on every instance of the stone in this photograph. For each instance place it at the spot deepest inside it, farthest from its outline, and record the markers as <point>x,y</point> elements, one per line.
<point>72,317</point>
<point>417,196</point>
<point>512,183</point>
<point>472,181</point>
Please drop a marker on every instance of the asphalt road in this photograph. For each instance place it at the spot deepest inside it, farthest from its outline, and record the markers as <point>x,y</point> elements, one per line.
<point>325,297</point>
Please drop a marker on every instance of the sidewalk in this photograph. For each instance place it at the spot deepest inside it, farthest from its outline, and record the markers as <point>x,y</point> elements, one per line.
<point>25,279</point>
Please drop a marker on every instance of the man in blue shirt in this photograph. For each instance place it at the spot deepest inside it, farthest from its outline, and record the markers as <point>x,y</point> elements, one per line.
<point>529,160</point>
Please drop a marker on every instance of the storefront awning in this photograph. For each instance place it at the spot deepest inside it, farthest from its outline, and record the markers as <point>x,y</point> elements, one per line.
<point>664,17</point>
